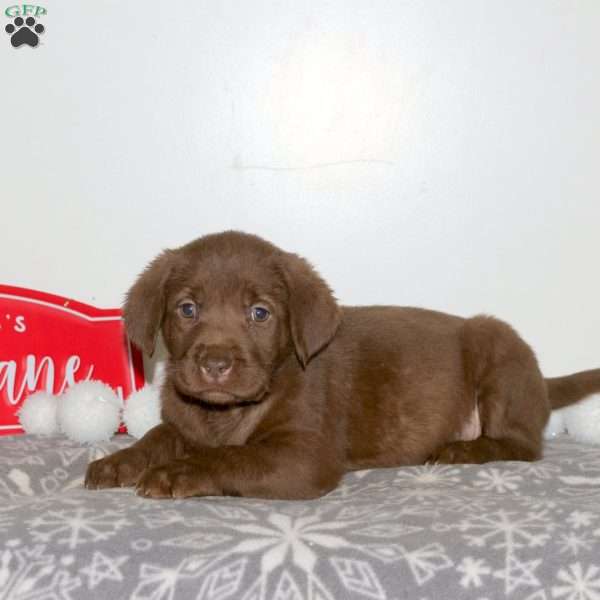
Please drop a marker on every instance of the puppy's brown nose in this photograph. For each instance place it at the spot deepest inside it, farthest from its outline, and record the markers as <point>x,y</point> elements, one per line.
<point>216,367</point>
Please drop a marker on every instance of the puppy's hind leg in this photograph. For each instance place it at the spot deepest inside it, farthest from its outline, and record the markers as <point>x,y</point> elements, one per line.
<point>502,372</point>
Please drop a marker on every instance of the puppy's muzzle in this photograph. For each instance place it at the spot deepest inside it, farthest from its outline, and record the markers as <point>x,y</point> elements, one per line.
<point>216,365</point>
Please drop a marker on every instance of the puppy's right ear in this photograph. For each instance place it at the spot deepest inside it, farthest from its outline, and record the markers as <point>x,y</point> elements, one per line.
<point>314,312</point>
<point>144,307</point>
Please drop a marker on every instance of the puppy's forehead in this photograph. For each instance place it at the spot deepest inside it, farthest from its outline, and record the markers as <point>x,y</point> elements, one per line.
<point>231,273</point>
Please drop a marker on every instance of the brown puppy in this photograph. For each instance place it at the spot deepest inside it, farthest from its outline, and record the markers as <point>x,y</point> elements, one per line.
<point>274,391</point>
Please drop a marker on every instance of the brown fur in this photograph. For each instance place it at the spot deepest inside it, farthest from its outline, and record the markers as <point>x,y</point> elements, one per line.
<point>282,408</point>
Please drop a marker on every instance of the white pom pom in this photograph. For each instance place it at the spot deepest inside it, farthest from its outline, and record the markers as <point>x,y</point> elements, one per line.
<point>583,420</point>
<point>38,414</point>
<point>142,411</point>
<point>556,424</point>
<point>89,411</point>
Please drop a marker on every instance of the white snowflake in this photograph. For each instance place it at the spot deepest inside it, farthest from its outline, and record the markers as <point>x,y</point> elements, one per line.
<point>572,542</point>
<point>428,475</point>
<point>104,568</point>
<point>579,519</point>
<point>473,570</point>
<point>509,530</point>
<point>577,584</point>
<point>494,479</point>
<point>518,572</point>
<point>287,535</point>
<point>538,469</point>
<point>77,526</point>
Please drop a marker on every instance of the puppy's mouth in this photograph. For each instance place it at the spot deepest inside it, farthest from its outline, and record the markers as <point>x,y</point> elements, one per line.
<point>193,389</point>
<point>218,398</point>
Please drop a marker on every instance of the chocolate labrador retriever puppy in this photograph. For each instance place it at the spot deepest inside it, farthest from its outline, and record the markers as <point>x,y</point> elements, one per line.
<point>273,390</point>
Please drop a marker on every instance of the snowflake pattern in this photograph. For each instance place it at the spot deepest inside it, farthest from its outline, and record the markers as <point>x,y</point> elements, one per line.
<point>581,519</point>
<point>77,526</point>
<point>468,531</point>
<point>474,571</point>
<point>578,583</point>
<point>103,568</point>
<point>572,542</point>
<point>284,535</point>
<point>497,480</point>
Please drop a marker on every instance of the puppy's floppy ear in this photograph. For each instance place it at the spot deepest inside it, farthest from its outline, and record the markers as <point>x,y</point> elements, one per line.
<point>313,311</point>
<point>144,307</point>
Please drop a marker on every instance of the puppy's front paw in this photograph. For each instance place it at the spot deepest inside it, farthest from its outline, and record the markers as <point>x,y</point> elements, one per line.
<point>175,480</point>
<point>121,469</point>
<point>451,454</point>
<point>454,453</point>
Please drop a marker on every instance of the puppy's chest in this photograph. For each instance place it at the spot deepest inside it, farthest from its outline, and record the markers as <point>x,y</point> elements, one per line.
<point>219,428</point>
<point>222,429</point>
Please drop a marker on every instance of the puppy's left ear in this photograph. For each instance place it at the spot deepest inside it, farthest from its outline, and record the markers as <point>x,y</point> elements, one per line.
<point>145,303</point>
<point>314,313</point>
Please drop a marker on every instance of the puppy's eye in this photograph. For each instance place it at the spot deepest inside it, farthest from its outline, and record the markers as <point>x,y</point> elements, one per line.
<point>259,314</point>
<point>188,310</point>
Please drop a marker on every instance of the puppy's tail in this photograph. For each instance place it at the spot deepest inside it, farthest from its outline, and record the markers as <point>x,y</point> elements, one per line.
<point>567,390</point>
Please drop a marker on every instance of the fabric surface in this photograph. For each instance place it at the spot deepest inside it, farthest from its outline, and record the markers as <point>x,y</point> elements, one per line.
<point>524,530</point>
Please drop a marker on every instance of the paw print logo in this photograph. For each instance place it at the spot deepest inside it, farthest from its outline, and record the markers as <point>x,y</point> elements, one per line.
<point>24,32</point>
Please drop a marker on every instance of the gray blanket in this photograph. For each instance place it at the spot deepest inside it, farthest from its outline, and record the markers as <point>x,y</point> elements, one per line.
<point>524,530</point>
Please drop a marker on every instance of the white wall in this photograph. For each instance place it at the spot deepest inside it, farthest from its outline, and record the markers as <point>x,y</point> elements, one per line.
<point>434,153</point>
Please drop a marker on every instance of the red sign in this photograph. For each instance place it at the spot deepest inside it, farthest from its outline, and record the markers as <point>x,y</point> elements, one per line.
<point>49,343</point>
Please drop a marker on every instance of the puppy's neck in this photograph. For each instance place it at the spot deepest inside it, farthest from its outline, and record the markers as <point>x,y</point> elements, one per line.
<point>204,424</point>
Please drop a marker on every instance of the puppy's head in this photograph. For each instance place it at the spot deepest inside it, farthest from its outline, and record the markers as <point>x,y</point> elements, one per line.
<point>231,308</point>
